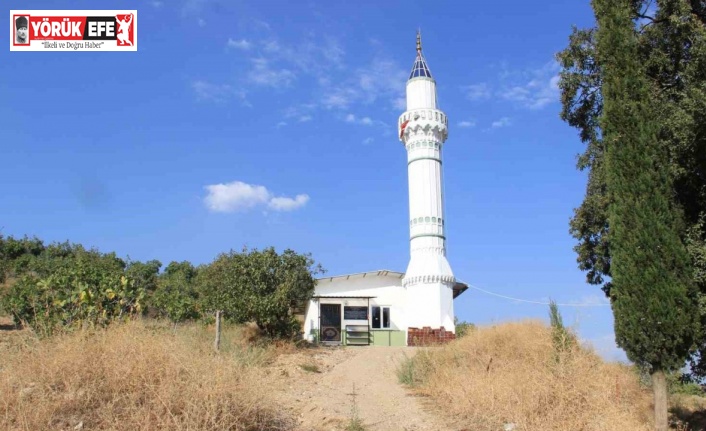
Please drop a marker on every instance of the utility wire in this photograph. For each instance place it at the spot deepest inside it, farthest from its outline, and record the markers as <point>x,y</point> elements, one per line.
<point>537,302</point>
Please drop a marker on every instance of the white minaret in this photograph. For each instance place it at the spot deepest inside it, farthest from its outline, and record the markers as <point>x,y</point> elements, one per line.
<point>423,130</point>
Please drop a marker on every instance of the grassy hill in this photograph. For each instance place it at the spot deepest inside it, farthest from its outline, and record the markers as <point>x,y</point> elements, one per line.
<point>143,375</point>
<point>134,377</point>
<point>512,375</point>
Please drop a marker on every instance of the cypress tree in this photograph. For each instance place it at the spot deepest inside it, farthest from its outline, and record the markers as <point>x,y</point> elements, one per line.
<point>652,295</point>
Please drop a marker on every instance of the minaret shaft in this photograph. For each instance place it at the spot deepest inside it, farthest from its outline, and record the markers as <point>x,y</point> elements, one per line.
<point>423,130</point>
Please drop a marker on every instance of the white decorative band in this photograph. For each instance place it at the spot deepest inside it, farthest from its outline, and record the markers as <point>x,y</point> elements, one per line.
<point>436,159</point>
<point>424,144</point>
<point>448,279</point>
<point>421,235</point>
<point>429,250</point>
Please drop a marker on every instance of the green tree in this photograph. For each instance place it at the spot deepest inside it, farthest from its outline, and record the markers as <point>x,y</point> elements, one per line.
<point>185,268</point>
<point>260,286</point>
<point>143,274</point>
<point>672,47</point>
<point>88,288</point>
<point>652,293</point>
<point>176,296</point>
<point>18,255</point>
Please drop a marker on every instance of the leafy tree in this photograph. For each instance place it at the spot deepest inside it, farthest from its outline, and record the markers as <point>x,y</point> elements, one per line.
<point>88,289</point>
<point>260,286</point>
<point>144,274</point>
<point>176,296</point>
<point>222,285</point>
<point>672,47</point>
<point>185,268</point>
<point>652,293</point>
<point>17,255</point>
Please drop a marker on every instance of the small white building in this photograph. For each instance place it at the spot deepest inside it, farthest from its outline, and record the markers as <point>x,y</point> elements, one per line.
<point>360,309</point>
<point>392,308</point>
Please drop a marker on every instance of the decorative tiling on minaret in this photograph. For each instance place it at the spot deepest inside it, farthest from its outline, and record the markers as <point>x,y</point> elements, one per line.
<point>423,130</point>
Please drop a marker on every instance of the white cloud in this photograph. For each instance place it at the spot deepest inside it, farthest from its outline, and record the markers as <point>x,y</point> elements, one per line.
<point>594,300</point>
<point>467,123</point>
<point>288,204</point>
<point>363,121</point>
<point>318,60</point>
<point>239,44</point>
<point>301,113</point>
<point>256,23</point>
<point>235,196</point>
<point>239,196</point>
<point>333,52</point>
<point>337,99</point>
<point>219,93</point>
<point>314,56</point>
<point>192,7</point>
<point>477,91</point>
<point>201,22</point>
<point>527,88</point>
<point>263,74</point>
<point>156,4</point>
<point>281,124</point>
<point>271,46</point>
<point>382,79</point>
<point>503,122</point>
<point>368,141</point>
<point>533,89</point>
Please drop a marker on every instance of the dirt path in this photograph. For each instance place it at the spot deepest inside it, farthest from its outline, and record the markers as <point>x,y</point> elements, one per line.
<point>322,399</point>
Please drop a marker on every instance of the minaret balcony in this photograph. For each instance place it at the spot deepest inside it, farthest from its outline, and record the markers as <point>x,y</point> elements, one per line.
<point>423,119</point>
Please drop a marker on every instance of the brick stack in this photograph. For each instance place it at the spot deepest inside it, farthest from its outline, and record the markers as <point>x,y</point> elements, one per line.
<point>428,337</point>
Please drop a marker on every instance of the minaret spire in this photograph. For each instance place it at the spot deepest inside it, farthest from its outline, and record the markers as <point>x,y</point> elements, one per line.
<point>420,68</point>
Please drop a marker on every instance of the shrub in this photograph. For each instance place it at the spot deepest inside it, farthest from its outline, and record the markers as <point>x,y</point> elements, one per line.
<point>414,371</point>
<point>88,289</point>
<point>463,327</point>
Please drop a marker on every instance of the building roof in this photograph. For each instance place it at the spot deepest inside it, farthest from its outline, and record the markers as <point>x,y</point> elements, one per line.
<point>378,273</point>
<point>458,288</point>
<point>420,68</point>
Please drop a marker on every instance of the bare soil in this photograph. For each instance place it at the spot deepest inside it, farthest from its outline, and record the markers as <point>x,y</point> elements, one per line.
<point>318,388</point>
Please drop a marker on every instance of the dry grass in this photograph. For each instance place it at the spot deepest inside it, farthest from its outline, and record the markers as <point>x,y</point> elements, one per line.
<point>510,374</point>
<point>137,377</point>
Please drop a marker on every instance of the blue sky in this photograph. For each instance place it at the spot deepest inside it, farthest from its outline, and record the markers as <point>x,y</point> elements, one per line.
<point>142,152</point>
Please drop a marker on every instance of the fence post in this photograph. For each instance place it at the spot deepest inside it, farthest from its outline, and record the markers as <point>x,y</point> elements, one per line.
<point>217,342</point>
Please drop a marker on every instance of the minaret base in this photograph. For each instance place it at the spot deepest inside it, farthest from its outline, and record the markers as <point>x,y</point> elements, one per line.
<point>430,304</point>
